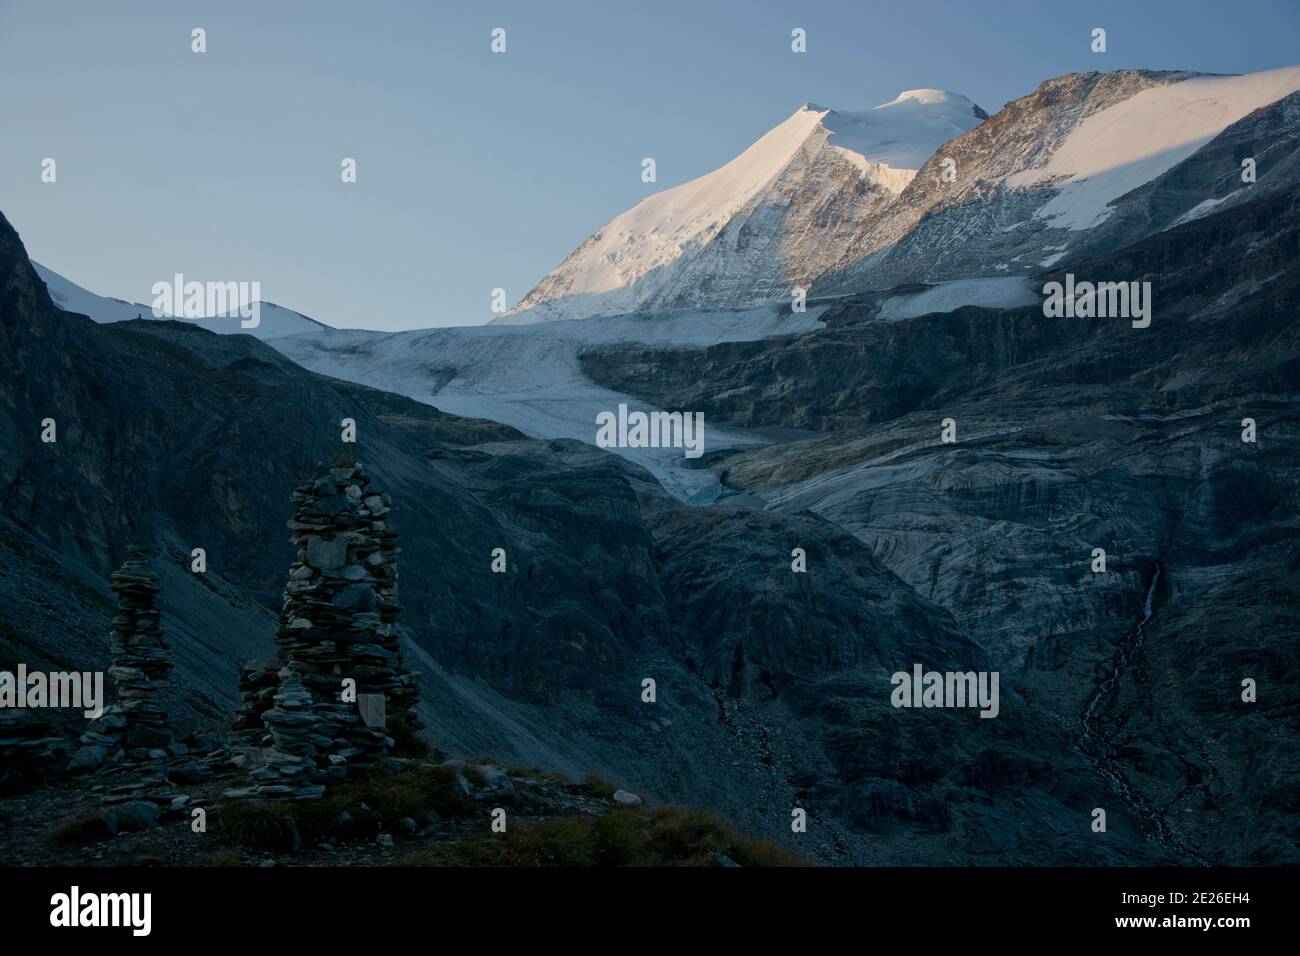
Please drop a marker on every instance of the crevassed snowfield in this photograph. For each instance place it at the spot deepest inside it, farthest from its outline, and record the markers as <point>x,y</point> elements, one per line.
<point>1134,141</point>
<point>528,376</point>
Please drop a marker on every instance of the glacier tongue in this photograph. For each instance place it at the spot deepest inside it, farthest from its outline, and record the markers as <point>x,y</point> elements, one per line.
<point>530,377</point>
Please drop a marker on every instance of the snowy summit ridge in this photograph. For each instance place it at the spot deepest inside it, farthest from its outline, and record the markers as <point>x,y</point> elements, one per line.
<point>903,133</point>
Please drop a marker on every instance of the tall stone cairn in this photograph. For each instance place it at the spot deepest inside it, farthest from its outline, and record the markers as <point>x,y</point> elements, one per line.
<point>340,619</point>
<point>136,724</point>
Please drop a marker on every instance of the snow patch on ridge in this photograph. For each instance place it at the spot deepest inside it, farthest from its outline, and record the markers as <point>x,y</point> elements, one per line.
<point>1001,292</point>
<point>275,321</point>
<point>1131,143</point>
<point>1202,208</point>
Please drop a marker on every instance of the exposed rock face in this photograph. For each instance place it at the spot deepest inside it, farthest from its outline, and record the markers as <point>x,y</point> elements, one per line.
<point>137,723</point>
<point>860,370</point>
<point>1022,135</point>
<point>998,216</point>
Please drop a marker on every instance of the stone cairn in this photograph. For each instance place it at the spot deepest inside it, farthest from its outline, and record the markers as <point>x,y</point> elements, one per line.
<point>339,621</point>
<point>136,725</point>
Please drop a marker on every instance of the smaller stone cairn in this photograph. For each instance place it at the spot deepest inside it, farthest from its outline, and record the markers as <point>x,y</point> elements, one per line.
<point>291,768</point>
<point>136,725</point>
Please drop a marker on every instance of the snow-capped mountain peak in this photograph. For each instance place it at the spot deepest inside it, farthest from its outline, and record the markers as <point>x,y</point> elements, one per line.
<point>905,192</point>
<point>801,182</point>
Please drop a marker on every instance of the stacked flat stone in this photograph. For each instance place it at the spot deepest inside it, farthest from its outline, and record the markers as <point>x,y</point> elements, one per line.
<point>340,610</point>
<point>292,764</point>
<point>141,661</point>
<point>258,681</point>
<point>136,725</point>
<point>400,686</point>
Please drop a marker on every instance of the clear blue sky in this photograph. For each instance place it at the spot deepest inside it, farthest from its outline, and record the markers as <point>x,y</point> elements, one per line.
<point>475,170</point>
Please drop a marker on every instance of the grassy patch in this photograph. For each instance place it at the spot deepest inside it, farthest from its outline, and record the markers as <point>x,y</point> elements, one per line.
<point>406,743</point>
<point>542,776</point>
<point>358,809</point>
<point>79,832</point>
<point>218,858</point>
<point>665,836</point>
<point>597,787</point>
<point>267,826</point>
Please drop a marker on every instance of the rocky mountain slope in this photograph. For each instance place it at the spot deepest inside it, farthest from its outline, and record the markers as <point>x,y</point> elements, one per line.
<point>772,687</point>
<point>1121,688</point>
<point>1073,434</point>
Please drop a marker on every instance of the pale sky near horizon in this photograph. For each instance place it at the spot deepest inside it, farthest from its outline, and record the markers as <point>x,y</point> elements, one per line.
<point>475,170</point>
